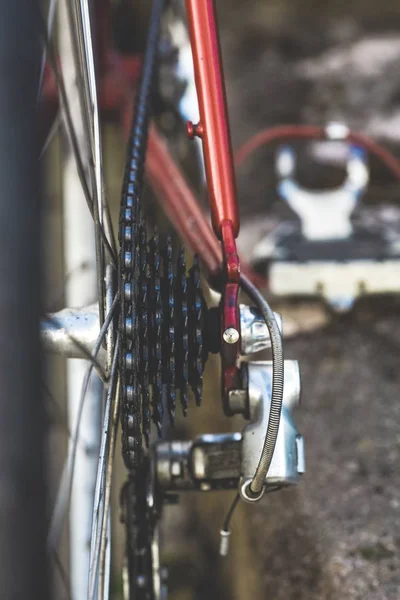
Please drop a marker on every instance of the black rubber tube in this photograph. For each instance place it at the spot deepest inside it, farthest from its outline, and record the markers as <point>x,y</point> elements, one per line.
<point>23,563</point>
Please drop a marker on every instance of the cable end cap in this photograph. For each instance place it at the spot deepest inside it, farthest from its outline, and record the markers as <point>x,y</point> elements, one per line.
<point>224,542</point>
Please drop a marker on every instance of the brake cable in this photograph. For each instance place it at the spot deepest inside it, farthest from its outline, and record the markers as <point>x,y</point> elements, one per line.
<point>255,487</point>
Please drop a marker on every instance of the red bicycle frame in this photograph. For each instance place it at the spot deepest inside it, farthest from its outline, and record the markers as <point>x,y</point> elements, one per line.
<point>213,129</point>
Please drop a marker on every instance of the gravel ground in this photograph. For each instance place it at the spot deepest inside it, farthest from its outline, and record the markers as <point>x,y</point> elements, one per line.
<point>337,535</point>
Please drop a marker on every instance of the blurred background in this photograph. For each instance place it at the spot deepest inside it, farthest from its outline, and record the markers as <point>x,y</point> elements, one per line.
<point>336,536</point>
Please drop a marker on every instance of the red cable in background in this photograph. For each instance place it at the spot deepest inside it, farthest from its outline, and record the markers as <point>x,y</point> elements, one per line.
<point>310,132</point>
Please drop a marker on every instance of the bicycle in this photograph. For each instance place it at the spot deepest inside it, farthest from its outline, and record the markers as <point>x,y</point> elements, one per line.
<point>149,338</point>
<point>163,347</point>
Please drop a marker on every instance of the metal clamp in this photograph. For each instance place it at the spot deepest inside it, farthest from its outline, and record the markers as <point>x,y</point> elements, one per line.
<point>254,331</point>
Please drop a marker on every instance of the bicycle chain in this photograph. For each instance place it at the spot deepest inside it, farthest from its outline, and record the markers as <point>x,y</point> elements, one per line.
<point>140,519</point>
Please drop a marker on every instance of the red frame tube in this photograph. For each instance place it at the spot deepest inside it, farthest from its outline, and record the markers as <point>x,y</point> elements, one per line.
<point>213,128</point>
<point>179,203</point>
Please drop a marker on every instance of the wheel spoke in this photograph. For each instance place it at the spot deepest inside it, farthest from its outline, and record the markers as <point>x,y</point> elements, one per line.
<point>79,113</point>
<point>105,533</point>
<point>83,47</point>
<point>73,140</point>
<point>63,575</point>
<point>103,480</point>
<point>51,135</point>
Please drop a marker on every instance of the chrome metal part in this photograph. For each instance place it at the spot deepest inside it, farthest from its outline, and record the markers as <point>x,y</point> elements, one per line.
<point>254,331</point>
<point>226,461</point>
<point>214,462</point>
<point>214,459</point>
<point>72,332</point>
<point>246,493</point>
<point>224,542</point>
<point>238,402</point>
<point>231,335</point>
<point>288,458</point>
<point>210,462</point>
<point>172,466</point>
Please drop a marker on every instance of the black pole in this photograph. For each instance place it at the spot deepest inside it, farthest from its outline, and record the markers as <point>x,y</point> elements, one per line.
<point>23,570</point>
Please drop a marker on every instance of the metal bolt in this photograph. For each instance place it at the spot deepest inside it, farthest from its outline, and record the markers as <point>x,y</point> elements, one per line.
<point>238,401</point>
<point>231,335</point>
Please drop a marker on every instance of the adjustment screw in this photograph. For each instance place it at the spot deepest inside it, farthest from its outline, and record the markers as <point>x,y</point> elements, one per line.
<point>231,335</point>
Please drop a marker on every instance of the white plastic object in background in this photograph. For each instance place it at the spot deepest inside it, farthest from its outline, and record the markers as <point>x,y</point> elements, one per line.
<point>324,214</point>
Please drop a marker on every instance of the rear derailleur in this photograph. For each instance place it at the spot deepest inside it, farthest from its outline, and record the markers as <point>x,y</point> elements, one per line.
<point>214,462</point>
